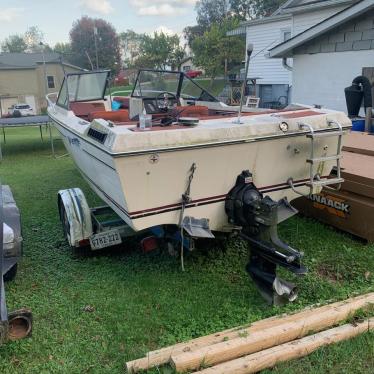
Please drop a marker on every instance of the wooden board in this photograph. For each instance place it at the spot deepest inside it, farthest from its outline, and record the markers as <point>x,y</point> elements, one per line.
<point>299,348</point>
<point>162,356</point>
<point>257,341</point>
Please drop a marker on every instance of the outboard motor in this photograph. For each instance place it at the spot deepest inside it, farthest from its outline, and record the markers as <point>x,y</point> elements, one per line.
<point>360,89</point>
<point>257,218</point>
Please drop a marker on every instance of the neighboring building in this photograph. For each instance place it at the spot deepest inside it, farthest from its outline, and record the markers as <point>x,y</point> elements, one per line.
<point>187,64</point>
<point>293,17</point>
<point>329,55</point>
<point>27,77</point>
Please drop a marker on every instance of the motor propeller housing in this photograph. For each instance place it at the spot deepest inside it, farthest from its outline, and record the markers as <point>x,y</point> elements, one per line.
<point>258,217</point>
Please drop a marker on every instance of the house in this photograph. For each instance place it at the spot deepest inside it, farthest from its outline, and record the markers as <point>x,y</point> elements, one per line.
<point>27,77</point>
<point>187,64</point>
<point>329,55</point>
<point>274,81</point>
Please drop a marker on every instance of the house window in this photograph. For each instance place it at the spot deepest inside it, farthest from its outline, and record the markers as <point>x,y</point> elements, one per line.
<point>186,68</point>
<point>285,34</point>
<point>51,81</point>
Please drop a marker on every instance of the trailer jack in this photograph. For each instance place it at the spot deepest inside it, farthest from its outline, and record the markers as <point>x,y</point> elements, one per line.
<point>258,218</point>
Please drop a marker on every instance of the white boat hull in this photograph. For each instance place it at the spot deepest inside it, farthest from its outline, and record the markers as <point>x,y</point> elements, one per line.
<point>145,188</point>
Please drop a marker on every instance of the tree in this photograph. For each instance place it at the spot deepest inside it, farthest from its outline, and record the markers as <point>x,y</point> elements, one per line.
<point>191,32</point>
<point>27,42</point>
<point>14,43</point>
<point>160,51</point>
<point>63,49</point>
<point>214,49</point>
<point>211,11</point>
<point>33,38</point>
<point>249,9</point>
<point>130,42</point>
<point>95,40</point>
<point>216,11</point>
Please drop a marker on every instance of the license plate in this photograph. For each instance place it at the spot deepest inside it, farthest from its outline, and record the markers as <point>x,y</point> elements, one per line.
<point>105,239</point>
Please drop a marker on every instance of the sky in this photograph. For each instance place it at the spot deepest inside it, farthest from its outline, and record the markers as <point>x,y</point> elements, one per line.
<point>54,18</point>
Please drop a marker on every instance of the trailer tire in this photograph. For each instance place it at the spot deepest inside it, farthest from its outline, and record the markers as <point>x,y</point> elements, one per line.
<point>11,273</point>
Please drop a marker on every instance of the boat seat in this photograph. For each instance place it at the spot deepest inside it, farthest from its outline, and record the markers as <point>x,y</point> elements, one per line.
<point>84,109</point>
<point>125,101</point>
<point>193,110</point>
<point>121,115</point>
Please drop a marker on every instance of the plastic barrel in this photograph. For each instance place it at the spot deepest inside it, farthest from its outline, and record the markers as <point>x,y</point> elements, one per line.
<point>353,97</point>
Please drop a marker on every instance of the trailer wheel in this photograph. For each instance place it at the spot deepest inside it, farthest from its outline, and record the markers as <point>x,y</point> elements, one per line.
<point>11,273</point>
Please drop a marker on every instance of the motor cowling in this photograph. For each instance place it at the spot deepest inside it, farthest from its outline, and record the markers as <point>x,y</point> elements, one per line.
<point>243,202</point>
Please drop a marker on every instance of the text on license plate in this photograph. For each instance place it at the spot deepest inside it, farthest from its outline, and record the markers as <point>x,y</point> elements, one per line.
<point>105,239</point>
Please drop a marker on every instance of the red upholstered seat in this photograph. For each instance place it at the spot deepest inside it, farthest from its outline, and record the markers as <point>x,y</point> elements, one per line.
<point>193,110</point>
<point>121,115</point>
<point>84,109</point>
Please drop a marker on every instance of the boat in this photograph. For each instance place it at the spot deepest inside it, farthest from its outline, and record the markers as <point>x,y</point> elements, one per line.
<point>174,156</point>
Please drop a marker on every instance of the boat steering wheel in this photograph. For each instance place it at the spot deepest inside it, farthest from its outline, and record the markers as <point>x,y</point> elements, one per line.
<point>163,101</point>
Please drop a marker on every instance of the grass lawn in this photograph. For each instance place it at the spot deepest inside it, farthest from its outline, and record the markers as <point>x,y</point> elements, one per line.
<point>142,302</point>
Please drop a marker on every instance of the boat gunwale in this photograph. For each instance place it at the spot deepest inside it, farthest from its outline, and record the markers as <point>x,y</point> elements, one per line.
<point>192,146</point>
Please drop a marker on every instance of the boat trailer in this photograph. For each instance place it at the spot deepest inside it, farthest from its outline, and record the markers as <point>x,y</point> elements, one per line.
<point>18,324</point>
<point>253,217</point>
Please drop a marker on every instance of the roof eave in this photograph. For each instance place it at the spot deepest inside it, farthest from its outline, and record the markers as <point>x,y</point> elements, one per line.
<point>319,5</point>
<point>259,21</point>
<point>285,49</point>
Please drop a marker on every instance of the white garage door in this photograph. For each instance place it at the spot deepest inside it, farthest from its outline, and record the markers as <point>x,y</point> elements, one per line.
<point>30,99</point>
<point>6,103</point>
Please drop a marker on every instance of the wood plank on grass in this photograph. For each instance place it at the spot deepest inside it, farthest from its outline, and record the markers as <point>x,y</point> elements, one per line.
<point>288,351</point>
<point>314,321</point>
<point>163,355</point>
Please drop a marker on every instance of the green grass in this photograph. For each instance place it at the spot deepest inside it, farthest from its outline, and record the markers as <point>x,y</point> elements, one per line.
<point>121,88</point>
<point>141,301</point>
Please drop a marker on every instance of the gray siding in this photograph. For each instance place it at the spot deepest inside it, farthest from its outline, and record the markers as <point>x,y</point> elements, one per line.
<point>355,35</point>
<point>303,21</point>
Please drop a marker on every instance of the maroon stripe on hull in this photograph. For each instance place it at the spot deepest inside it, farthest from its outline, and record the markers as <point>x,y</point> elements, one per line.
<point>210,200</point>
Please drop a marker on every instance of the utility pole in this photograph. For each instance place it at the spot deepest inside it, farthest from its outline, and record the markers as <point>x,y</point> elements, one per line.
<point>44,69</point>
<point>97,56</point>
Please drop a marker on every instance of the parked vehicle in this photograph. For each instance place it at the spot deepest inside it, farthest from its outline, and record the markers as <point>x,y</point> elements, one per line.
<point>193,73</point>
<point>121,79</point>
<point>18,324</point>
<point>21,110</point>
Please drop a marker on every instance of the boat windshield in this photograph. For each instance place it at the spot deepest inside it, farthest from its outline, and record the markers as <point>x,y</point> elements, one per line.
<point>152,83</point>
<point>87,86</point>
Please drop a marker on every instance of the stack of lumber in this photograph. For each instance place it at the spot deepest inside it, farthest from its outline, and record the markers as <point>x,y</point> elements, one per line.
<point>263,344</point>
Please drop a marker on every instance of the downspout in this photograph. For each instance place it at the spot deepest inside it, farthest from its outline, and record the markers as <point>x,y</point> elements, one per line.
<point>289,68</point>
<point>285,65</point>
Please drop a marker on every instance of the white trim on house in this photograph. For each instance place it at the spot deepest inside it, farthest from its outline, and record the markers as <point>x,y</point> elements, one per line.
<point>289,8</point>
<point>286,49</point>
<point>241,30</point>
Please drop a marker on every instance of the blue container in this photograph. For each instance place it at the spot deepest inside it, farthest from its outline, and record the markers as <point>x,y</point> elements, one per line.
<point>358,124</point>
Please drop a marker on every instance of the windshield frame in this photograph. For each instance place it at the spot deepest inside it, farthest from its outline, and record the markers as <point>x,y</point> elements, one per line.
<point>65,81</point>
<point>182,77</point>
<point>140,71</point>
